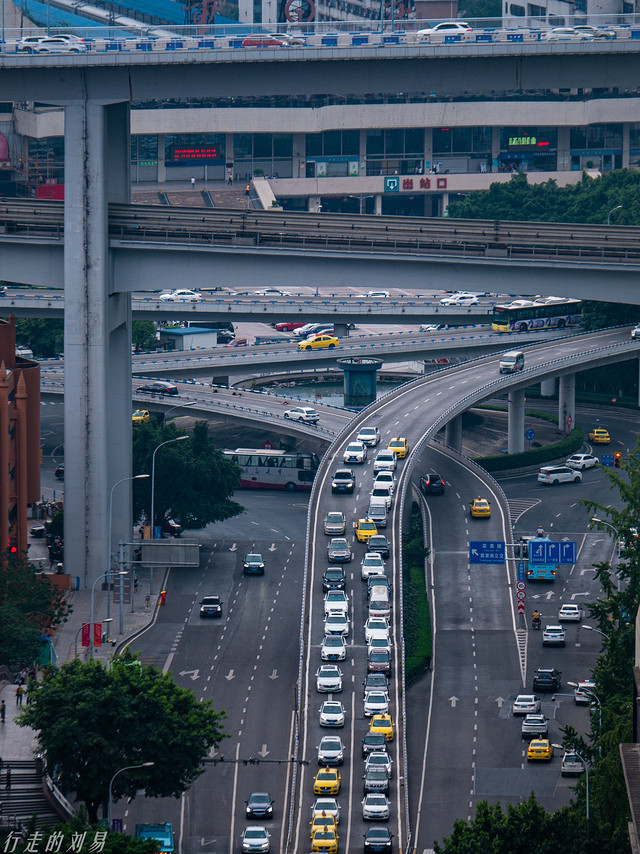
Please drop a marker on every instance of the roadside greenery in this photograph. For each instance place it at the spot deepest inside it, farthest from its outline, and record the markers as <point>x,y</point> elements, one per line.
<point>90,722</point>
<point>69,837</point>
<point>537,457</point>
<point>417,619</point>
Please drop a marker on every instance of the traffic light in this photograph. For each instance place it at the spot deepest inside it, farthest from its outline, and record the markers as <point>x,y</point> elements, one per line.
<point>616,459</point>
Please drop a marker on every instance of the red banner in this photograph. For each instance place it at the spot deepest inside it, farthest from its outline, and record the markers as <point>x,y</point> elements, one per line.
<point>86,637</point>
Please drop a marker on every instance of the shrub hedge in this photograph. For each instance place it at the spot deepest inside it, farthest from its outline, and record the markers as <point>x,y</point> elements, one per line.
<point>537,457</point>
<point>417,618</point>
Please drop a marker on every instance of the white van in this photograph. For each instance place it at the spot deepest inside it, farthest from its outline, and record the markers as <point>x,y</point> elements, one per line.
<point>379,604</point>
<point>512,362</point>
<point>378,512</point>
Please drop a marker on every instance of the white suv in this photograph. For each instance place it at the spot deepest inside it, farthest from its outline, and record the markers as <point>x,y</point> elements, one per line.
<point>51,44</point>
<point>558,474</point>
<point>460,299</point>
<point>385,461</point>
<point>302,413</point>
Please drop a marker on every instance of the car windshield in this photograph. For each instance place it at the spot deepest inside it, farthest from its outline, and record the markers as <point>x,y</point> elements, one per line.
<point>342,475</point>
<point>333,641</point>
<point>334,517</point>
<point>211,600</point>
<point>254,558</point>
<point>250,833</point>
<point>339,544</point>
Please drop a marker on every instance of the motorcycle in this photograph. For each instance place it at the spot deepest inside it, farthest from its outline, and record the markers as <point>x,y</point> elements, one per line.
<point>536,622</point>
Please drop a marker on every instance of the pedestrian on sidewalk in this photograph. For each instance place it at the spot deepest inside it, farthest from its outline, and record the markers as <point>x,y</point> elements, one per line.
<point>230,180</point>
<point>19,694</point>
<point>3,715</point>
<point>7,785</point>
<point>193,183</point>
<point>247,190</point>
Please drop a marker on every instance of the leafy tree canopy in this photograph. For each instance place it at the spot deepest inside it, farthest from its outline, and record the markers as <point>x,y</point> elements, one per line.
<point>29,605</point>
<point>193,477</point>
<point>90,722</point>
<point>481,9</point>
<point>143,334</point>
<point>44,336</point>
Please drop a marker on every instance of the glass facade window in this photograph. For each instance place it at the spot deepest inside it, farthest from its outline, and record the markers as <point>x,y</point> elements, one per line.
<point>596,136</point>
<point>461,140</point>
<point>333,143</point>
<point>45,160</point>
<point>144,148</point>
<point>395,142</point>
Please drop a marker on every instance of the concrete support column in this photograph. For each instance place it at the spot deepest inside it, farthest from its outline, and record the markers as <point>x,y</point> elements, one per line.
<point>360,376</point>
<point>314,204</point>
<point>298,163</point>
<point>362,153</point>
<point>453,433</point>
<point>377,205</point>
<point>340,330</point>
<point>162,168</point>
<point>625,145</point>
<point>567,403</point>
<point>445,204</point>
<point>564,149</point>
<point>428,149</point>
<point>548,387</point>
<point>495,148</point>
<point>516,422</point>
<point>97,332</point>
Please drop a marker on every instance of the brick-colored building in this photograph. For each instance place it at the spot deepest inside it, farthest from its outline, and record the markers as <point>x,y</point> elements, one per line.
<point>19,439</point>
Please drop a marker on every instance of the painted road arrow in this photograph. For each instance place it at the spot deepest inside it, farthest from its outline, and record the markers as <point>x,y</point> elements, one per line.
<point>272,547</point>
<point>264,752</point>
<point>274,674</point>
<point>233,548</point>
<point>453,701</point>
<point>500,701</point>
<point>194,674</point>
<point>230,676</point>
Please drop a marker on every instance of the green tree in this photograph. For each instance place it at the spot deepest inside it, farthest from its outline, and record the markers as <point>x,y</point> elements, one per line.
<point>193,477</point>
<point>45,337</point>
<point>90,722</point>
<point>143,334</point>
<point>29,606</point>
<point>76,835</point>
<point>480,9</point>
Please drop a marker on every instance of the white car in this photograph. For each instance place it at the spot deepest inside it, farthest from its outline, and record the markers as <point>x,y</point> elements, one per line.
<point>336,623</point>
<point>376,627</point>
<point>553,475</point>
<point>385,461</point>
<point>181,295</point>
<point>271,292</point>
<point>330,750</point>
<point>375,807</point>
<point>51,44</point>
<point>386,478</point>
<point>460,299</point>
<point>446,28</point>
<point>582,461</point>
<point>553,636</point>
<point>329,806</point>
<point>379,644</point>
<point>433,327</point>
<point>374,295</point>
<point>369,436</point>
<point>255,838</point>
<point>570,614</point>
<point>332,713</point>
<point>583,694</point>
<point>334,648</point>
<point>328,679</point>
<point>635,332</point>
<point>566,34</point>
<point>372,564</point>
<point>383,492</point>
<point>355,452</point>
<point>302,413</point>
<point>525,704</point>
<point>376,703</point>
<point>379,759</point>
<point>336,600</point>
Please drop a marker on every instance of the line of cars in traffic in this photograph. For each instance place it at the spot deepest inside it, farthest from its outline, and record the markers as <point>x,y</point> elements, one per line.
<point>338,620</point>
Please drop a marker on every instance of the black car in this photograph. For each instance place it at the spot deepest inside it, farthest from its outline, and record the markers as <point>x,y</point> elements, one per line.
<point>432,484</point>
<point>546,679</point>
<point>378,839</point>
<point>373,741</point>
<point>59,471</point>
<point>334,578</point>
<point>343,481</point>
<point>260,805</point>
<point>211,606</point>
<point>159,387</point>
<point>379,544</point>
<point>253,564</point>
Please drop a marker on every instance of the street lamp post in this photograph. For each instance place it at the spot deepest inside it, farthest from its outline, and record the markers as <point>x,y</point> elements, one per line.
<point>75,639</point>
<point>593,629</point>
<point>122,480</point>
<point>586,771</point>
<point>92,622</point>
<point>173,408</point>
<point>613,210</point>
<point>591,693</point>
<point>153,477</point>
<point>126,768</point>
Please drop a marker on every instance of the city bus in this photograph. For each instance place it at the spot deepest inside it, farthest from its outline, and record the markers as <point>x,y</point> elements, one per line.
<point>524,315</point>
<point>264,468</point>
<point>162,835</point>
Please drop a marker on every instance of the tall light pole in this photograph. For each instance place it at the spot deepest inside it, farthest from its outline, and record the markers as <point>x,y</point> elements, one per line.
<point>592,694</point>
<point>593,629</point>
<point>586,769</point>
<point>153,477</point>
<point>173,408</point>
<point>126,768</point>
<point>92,623</point>
<point>117,483</point>
<point>613,210</point>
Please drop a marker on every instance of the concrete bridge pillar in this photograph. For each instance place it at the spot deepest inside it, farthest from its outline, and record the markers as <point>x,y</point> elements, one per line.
<point>360,380</point>
<point>516,422</point>
<point>453,433</point>
<point>97,340</point>
<point>377,204</point>
<point>548,387</point>
<point>567,403</point>
<point>341,330</point>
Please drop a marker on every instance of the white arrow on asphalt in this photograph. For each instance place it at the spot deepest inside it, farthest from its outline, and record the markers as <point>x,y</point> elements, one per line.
<point>536,595</point>
<point>272,547</point>
<point>206,840</point>
<point>548,594</point>
<point>194,674</point>
<point>453,701</point>
<point>233,547</point>
<point>274,674</point>
<point>264,752</point>
<point>230,676</point>
<point>573,595</point>
<point>582,571</point>
<point>500,701</point>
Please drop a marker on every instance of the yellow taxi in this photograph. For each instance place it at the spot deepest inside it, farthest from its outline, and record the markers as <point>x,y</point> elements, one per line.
<point>139,416</point>
<point>319,342</point>
<point>325,840</point>
<point>400,446</point>
<point>365,529</point>
<point>327,782</point>
<point>539,749</point>
<point>382,724</point>
<point>599,436</point>
<point>480,508</point>
<point>323,821</point>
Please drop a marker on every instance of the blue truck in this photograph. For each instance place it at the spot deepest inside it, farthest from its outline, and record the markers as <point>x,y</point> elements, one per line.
<point>161,833</point>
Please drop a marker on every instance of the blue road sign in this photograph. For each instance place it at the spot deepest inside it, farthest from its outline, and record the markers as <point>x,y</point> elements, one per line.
<point>542,552</point>
<point>607,460</point>
<point>486,551</point>
<point>531,433</point>
<point>521,570</point>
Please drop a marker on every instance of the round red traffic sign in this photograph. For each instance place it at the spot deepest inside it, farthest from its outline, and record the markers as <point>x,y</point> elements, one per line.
<point>521,595</point>
<point>520,585</point>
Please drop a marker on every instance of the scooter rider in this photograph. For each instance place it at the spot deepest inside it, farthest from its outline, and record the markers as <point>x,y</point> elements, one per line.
<point>535,619</point>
